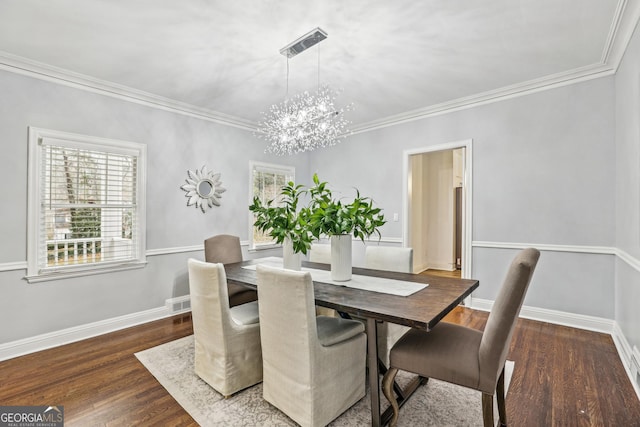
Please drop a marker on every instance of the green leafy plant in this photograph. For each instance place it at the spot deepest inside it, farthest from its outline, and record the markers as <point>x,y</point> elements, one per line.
<point>285,220</point>
<point>330,216</point>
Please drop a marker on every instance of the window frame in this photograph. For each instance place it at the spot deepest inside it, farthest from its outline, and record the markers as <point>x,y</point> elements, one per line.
<point>290,175</point>
<point>35,220</point>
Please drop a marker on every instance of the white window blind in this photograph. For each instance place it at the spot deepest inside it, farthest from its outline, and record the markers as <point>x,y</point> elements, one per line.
<point>89,212</point>
<point>267,181</point>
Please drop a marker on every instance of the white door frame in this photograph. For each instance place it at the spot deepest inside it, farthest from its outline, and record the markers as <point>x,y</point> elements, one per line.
<point>466,196</point>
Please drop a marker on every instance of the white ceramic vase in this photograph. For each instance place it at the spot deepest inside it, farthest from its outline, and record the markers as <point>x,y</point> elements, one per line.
<point>341,257</point>
<point>291,260</point>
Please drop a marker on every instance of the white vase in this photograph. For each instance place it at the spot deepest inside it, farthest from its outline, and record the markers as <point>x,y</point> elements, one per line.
<point>291,260</point>
<point>341,257</point>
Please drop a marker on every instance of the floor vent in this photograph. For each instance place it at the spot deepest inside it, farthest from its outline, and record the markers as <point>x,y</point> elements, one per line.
<point>179,304</point>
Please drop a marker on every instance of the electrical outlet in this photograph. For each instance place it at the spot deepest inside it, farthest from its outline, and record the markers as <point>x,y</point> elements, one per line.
<point>395,217</point>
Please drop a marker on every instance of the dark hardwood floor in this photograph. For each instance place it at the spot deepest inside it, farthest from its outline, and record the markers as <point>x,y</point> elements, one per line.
<point>562,377</point>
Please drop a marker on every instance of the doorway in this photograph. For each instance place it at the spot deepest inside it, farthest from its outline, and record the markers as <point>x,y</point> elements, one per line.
<point>437,207</point>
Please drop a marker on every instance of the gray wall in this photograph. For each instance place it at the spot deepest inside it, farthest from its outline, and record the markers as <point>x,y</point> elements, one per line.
<point>175,143</point>
<point>627,279</point>
<point>543,173</point>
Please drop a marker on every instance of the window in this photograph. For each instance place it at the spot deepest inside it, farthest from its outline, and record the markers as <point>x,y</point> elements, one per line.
<point>86,205</point>
<point>266,182</point>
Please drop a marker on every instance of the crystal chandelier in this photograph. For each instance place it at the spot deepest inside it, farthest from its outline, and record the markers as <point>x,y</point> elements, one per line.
<point>307,120</point>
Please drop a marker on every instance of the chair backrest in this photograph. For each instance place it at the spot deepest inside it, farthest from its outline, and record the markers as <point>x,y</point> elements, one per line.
<point>389,258</point>
<point>288,330</point>
<point>223,248</point>
<point>320,253</point>
<point>504,314</point>
<point>209,303</point>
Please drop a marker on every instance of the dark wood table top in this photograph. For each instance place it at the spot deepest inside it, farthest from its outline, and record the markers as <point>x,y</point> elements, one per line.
<point>423,309</point>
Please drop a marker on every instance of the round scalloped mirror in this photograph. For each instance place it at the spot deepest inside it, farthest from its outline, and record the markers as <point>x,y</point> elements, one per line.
<point>203,189</point>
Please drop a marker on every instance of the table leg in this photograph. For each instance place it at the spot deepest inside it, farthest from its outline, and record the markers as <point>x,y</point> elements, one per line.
<point>372,355</point>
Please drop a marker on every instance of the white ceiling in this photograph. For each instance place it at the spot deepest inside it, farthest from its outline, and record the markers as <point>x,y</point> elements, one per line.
<point>392,59</point>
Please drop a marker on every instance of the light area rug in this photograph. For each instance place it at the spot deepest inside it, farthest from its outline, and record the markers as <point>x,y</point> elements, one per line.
<point>435,404</point>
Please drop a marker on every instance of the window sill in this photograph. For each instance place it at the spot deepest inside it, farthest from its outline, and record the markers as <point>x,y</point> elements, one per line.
<point>58,275</point>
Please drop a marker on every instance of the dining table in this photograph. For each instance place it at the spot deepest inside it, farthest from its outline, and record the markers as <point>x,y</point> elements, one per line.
<point>425,299</point>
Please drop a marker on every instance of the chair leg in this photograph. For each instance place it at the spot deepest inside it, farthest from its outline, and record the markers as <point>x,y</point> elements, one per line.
<point>387,389</point>
<point>487,410</point>
<point>502,410</point>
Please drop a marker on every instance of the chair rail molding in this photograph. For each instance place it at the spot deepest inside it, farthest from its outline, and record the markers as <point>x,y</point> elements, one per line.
<point>605,250</point>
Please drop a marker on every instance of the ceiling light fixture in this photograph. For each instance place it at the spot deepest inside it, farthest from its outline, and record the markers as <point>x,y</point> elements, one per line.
<point>306,121</point>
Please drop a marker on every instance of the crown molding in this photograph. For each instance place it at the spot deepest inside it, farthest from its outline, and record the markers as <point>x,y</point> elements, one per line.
<point>508,92</point>
<point>623,25</point>
<point>24,66</point>
<point>625,20</point>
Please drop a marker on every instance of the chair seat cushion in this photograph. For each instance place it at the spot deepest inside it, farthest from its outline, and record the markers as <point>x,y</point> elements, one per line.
<point>448,352</point>
<point>245,314</point>
<point>332,330</point>
<point>239,294</point>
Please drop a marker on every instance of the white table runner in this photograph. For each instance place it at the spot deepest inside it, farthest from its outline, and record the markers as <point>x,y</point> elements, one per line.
<point>367,283</point>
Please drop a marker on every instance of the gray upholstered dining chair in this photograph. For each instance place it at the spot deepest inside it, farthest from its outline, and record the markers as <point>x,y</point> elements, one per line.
<point>228,353</point>
<point>465,356</point>
<point>314,366</point>
<point>226,249</point>
<point>320,253</point>
<point>389,258</point>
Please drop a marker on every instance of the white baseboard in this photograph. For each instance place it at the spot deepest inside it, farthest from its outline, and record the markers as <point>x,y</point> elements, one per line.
<point>626,356</point>
<point>77,333</point>
<point>580,321</point>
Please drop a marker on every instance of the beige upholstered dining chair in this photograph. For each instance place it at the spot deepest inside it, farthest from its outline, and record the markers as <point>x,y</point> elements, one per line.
<point>314,367</point>
<point>320,253</point>
<point>225,249</point>
<point>228,354</point>
<point>465,356</point>
<point>390,259</point>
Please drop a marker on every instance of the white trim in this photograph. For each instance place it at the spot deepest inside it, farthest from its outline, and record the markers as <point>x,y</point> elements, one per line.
<point>498,95</point>
<point>38,70</point>
<point>68,274</point>
<point>625,352</point>
<point>605,250</point>
<point>631,261</point>
<point>275,168</point>
<point>580,321</point>
<point>625,19</point>
<point>175,250</point>
<point>39,137</point>
<point>622,27</point>
<point>467,201</point>
<point>77,333</point>
<point>11,266</point>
